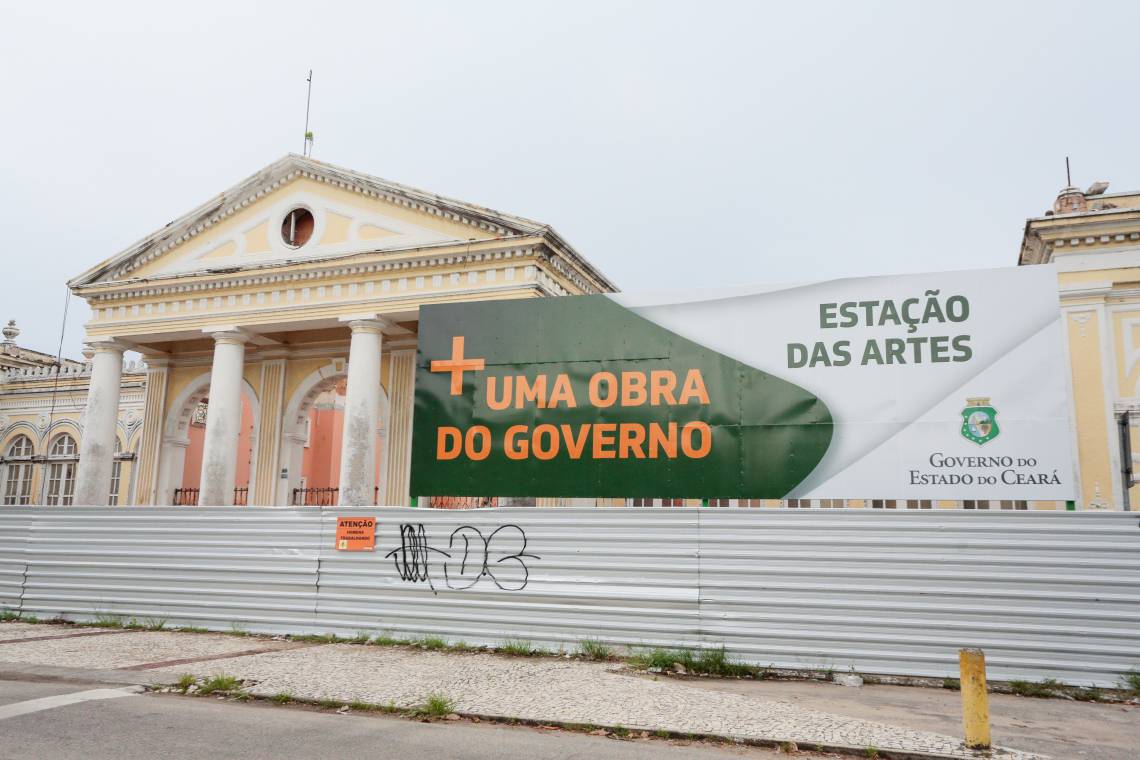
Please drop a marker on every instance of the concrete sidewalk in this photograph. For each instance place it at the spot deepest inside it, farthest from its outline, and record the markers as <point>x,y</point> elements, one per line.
<point>924,722</point>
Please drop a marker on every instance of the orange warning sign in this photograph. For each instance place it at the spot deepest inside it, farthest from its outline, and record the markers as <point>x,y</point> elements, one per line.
<point>355,534</point>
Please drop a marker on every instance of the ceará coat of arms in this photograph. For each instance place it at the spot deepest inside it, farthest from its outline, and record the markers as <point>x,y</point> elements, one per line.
<point>979,421</point>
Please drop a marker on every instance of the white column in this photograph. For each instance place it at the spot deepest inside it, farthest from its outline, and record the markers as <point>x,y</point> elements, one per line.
<point>97,446</point>
<point>223,421</point>
<point>361,414</point>
<point>401,400</point>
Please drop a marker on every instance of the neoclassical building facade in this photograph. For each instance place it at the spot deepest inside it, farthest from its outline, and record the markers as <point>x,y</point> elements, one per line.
<point>293,292</point>
<point>277,326</point>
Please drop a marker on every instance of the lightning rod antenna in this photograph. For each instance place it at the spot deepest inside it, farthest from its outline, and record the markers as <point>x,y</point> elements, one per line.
<point>1068,174</point>
<point>308,149</point>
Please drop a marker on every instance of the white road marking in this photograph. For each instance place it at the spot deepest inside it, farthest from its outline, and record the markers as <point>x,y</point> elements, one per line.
<point>62,700</point>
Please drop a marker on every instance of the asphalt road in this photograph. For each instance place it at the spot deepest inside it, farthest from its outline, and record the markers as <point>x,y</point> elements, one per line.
<point>94,721</point>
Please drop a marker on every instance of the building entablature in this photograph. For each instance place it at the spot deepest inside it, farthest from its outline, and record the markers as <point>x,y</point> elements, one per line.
<point>1099,231</point>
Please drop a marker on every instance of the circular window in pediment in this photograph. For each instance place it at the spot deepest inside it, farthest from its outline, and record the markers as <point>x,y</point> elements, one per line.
<point>297,227</point>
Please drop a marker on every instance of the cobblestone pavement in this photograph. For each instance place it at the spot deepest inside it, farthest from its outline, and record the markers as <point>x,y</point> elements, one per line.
<point>530,688</point>
<point>77,648</point>
<point>558,689</point>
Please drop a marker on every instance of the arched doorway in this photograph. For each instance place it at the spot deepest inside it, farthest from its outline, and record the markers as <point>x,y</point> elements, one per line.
<point>184,438</point>
<point>311,440</point>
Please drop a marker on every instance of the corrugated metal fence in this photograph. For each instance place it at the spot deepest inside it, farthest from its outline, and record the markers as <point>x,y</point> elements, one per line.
<point>1052,595</point>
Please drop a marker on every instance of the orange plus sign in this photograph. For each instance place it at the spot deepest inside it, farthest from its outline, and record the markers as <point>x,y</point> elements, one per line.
<point>457,365</point>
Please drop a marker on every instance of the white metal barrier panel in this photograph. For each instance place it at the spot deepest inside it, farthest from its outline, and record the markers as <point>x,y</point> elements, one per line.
<point>1046,595</point>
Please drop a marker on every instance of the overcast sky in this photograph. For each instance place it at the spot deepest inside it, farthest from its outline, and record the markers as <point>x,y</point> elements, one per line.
<point>673,144</point>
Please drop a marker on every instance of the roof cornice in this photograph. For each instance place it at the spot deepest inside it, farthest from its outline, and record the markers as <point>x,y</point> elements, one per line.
<point>292,166</point>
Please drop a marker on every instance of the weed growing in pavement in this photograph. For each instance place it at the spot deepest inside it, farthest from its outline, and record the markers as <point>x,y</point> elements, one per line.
<point>154,624</point>
<point>332,704</point>
<point>432,642</point>
<point>1047,688</point>
<point>282,698</point>
<point>7,615</point>
<point>1131,682</point>
<point>387,640</point>
<point>620,730</point>
<point>953,684</point>
<point>218,683</point>
<point>29,619</point>
<point>237,629</point>
<point>134,624</point>
<point>185,681</point>
<point>107,620</point>
<point>788,747</point>
<point>361,637</point>
<point>192,629</point>
<point>462,646</point>
<point>712,662</point>
<point>520,648</point>
<point>1091,694</point>
<point>871,751</point>
<point>436,705</point>
<point>592,649</point>
<point>389,707</point>
<point>662,734</point>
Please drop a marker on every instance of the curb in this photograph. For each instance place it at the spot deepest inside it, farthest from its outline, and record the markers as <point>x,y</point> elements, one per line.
<point>751,741</point>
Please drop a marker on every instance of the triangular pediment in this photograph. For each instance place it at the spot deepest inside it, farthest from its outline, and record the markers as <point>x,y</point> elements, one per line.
<point>351,213</point>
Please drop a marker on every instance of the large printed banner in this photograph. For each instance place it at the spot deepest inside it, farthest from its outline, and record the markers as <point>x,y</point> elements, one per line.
<point>930,386</point>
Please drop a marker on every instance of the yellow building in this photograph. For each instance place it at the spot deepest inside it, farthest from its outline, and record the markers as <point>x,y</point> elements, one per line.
<point>1093,238</point>
<point>301,280</point>
<point>297,291</point>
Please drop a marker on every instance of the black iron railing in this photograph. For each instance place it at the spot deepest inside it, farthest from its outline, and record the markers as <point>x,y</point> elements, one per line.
<point>315,497</point>
<point>185,497</point>
<point>188,497</point>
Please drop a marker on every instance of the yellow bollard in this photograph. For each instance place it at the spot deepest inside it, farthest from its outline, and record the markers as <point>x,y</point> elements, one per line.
<point>975,703</point>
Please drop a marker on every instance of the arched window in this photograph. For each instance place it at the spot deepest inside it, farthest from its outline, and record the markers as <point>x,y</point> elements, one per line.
<point>18,471</point>
<point>62,458</point>
<point>116,475</point>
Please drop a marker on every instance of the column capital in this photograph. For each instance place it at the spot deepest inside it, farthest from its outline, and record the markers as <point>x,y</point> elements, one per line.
<point>228,335</point>
<point>370,322</point>
<point>373,326</point>
<point>106,346</point>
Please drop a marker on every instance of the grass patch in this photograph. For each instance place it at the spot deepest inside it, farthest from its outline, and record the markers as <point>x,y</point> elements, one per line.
<point>387,640</point>
<point>185,681</point>
<point>331,704</point>
<point>192,629</point>
<point>953,684</point>
<point>871,751</point>
<point>592,649</point>
<point>1044,689</point>
<point>712,662</point>
<point>219,683</point>
<point>436,705</point>
<point>432,642</point>
<point>281,698</point>
<point>9,615</point>
<point>620,731</point>
<point>29,619</point>
<point>1131,682</point>
<point>462,646</point>
<point>104,620</point>
<point>1091,694</point>
<point>520,648</point>
<point>154,624</point>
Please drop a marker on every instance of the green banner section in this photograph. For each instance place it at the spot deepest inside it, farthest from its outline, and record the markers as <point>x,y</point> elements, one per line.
<point>579,396</point>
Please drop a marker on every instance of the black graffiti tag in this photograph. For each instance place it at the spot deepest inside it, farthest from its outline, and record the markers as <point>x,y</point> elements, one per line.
<point>471,556</point>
